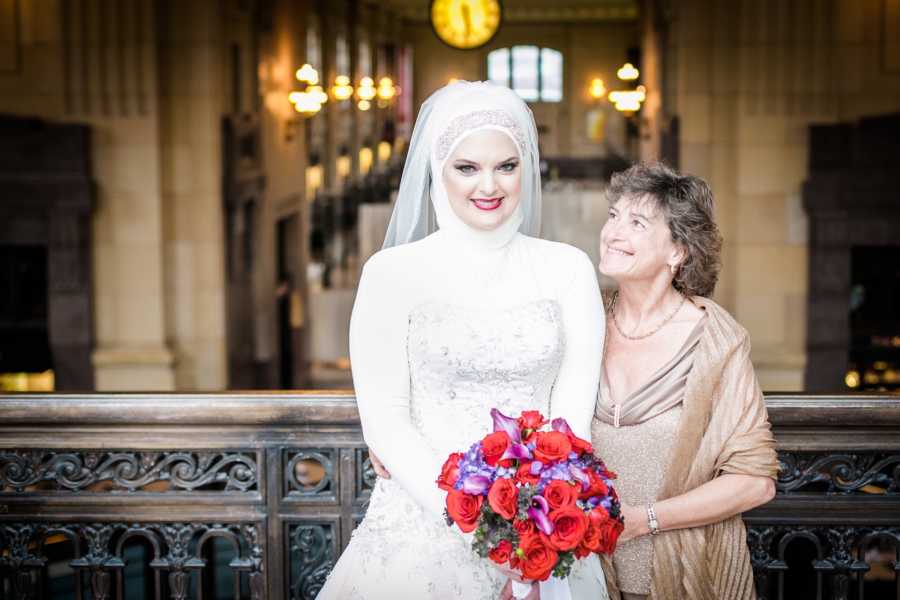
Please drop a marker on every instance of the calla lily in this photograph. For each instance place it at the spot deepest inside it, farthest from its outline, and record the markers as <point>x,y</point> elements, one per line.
<point>507,424</point>
<point>561,425</point>
<point>543,523</point>
<point>538,513</point>
<point>517,451</point>
<point>580,476</point>
<point>476,485</point>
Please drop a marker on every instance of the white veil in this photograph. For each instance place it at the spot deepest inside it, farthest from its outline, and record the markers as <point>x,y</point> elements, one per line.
<point>445,118</point>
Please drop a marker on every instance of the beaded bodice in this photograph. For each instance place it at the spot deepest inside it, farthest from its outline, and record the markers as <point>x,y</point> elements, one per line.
<point>465,361</point>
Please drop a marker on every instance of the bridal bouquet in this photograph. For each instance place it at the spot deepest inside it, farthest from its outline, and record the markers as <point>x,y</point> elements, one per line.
<point>535,498</point>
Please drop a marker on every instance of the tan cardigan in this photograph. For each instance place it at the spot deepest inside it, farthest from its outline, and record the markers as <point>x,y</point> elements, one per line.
<point>724,429</point>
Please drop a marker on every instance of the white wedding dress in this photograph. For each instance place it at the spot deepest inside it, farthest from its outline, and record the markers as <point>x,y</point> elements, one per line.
<point>516,327</point>
<point>446,327</point>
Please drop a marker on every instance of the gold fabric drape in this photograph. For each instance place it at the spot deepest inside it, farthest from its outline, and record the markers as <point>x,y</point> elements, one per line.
<point>724,429</point>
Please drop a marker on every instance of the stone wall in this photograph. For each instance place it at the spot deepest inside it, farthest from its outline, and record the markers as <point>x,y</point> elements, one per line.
<point>746,80</point>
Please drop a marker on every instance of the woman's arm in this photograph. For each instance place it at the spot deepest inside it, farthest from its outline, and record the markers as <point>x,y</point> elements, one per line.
<point>575,390</point>
<point>746,466</point>
<point>712,502</point>
<point>378,332</point>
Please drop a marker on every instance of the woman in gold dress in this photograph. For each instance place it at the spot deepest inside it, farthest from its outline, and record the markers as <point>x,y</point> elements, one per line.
<point>680,415</point>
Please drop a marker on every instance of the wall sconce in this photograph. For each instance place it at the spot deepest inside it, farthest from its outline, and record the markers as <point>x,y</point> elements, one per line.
<point>342,166</point>
<point>384,151</point>
<point>628,101</point>
<point>309,99</point>
<point>341,90</point>
<point>365,160</point>
<point>314,179</point>
<point>597,89</point>
<point>306,74</point>
<point>365,91</point>
<point>387,91</point>
<point>628,72</point>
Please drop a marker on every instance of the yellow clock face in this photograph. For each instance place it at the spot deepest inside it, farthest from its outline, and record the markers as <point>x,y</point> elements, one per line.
<point>465,24</point>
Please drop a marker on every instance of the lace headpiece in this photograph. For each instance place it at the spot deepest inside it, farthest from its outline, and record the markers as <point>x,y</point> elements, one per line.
<point>446,118</point>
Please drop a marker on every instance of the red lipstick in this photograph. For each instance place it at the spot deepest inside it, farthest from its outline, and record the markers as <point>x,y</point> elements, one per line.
<point>487,203</point>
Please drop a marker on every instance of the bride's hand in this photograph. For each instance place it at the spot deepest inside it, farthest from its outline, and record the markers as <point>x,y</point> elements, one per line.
<point>534,594</point>
<point>509,572</point>
<point>378,466</point>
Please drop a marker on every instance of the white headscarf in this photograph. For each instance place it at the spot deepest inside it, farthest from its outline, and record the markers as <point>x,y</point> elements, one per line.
<point>446,118</point>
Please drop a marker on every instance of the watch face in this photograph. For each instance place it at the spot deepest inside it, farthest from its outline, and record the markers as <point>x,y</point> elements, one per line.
<point>465,24</point>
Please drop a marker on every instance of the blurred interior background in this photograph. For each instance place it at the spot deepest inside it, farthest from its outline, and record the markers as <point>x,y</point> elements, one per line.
<point>188,190</point>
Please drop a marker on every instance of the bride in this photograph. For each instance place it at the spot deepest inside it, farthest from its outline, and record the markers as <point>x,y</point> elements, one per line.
<point>450,324</point>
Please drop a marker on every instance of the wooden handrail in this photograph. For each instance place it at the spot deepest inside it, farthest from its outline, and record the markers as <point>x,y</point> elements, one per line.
<point>339,407</point>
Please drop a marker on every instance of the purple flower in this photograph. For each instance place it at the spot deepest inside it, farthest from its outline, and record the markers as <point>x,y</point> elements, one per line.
<point>507,424</point>
<point>476,485</point>
<point>561,425</point>
<point>581,476</point>
<point>538,513</point>
<point>535,467</point>
<point>517,451</point>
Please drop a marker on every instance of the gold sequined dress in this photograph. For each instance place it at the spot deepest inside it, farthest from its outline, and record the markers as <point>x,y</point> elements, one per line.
<point>634,438</point>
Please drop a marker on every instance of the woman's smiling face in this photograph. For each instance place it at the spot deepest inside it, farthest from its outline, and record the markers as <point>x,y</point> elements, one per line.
<point>635,242</point>
<point>483,179</point>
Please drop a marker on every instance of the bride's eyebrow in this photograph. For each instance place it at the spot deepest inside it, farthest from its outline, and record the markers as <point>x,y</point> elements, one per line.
<point>510,159</point>
<point>464,160</point>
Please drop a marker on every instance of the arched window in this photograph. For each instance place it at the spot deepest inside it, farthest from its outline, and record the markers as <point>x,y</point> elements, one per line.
<point>536,74</point>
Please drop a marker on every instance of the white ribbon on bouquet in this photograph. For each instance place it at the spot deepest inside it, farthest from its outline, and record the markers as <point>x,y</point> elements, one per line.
<point>552,589</point>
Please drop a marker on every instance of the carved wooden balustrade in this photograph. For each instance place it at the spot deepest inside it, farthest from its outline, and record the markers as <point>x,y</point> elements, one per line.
<point>254,495</point>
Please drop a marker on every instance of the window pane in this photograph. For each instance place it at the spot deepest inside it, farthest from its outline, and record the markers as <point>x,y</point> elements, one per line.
<point>498,66</point>
<point>525,72</point>
<point>551,75</point>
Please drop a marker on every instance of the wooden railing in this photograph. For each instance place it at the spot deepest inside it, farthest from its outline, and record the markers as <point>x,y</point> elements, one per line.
<point>254,496</point>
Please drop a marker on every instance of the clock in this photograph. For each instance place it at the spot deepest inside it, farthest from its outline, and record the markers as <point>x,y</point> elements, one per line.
<point>466,24</point>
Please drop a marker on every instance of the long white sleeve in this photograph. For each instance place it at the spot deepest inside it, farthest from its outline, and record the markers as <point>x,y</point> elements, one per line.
<point>584,322</point>
<point>378,333</point>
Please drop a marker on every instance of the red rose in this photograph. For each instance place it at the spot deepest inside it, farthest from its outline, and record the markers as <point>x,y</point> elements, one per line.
<point>537,559</point>
<point>579,445</point>
<point>591,540</point>
<point>525,527</point>
<point>560,494</point>
<point>531,419</point>
<point>501,552</point>
<point>524,476</point>
<point>503,497</point>
<point>493,446</point>
<point>581,551</point>
<point>551,446</point>
<point>569,526</point>
<point>464,509</point>
<point>529,422</point>
<point>608,533</point>
<point>597,486</point>
<point>598,516</point>
<point>450,472</point>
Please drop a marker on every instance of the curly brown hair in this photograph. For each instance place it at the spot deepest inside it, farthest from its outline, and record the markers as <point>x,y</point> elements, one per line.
<point>687,205</point>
